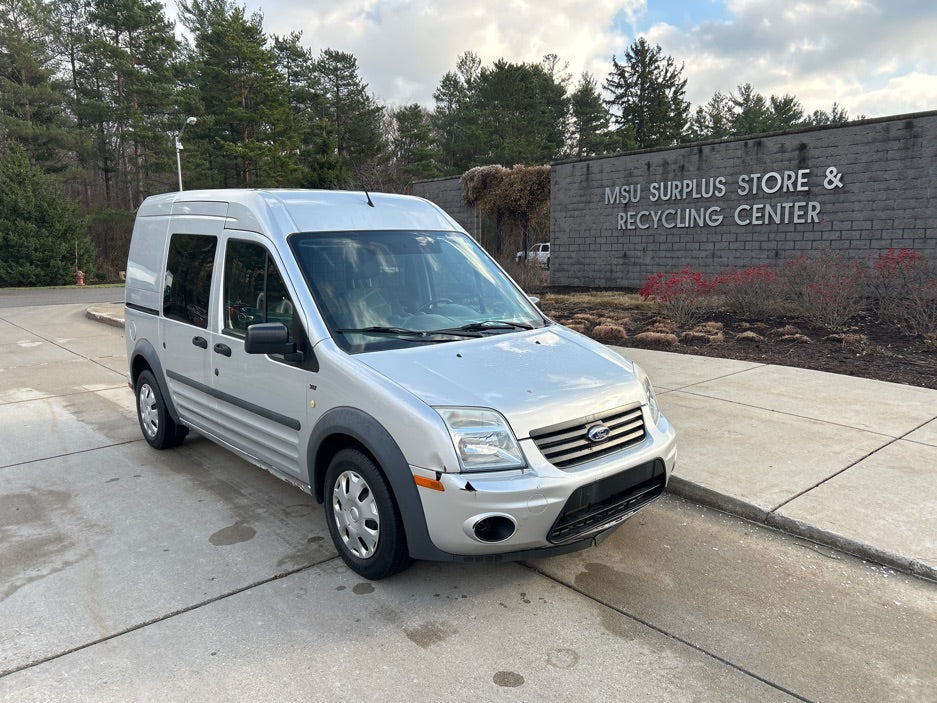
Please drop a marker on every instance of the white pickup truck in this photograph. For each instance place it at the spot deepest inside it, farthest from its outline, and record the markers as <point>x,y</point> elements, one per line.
<point>539,253</point>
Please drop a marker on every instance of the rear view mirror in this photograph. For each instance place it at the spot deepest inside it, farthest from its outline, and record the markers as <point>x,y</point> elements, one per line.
<point>271,338</point>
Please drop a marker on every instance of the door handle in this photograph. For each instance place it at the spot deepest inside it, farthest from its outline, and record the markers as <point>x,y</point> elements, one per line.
<point>200,342</point>
<point>223,349</point>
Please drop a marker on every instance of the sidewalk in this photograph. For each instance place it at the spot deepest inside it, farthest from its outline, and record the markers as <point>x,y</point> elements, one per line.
<point>845,462</point>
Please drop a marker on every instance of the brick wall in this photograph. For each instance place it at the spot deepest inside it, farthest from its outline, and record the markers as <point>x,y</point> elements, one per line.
<point>447,194</point>
<point>860,189</point>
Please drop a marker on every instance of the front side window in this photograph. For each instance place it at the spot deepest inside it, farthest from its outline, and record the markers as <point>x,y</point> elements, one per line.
<point>387,290</point>
<point>187,285</point>
<point>253,289</point>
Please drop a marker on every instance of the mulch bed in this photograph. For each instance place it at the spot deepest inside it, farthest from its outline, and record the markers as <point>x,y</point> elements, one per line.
<point>866,349</point>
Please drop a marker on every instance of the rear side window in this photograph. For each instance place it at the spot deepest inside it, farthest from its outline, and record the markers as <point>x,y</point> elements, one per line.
<point>187,287</point>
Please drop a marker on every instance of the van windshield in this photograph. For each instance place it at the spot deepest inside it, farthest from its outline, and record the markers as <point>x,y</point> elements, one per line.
<point>394,289</point>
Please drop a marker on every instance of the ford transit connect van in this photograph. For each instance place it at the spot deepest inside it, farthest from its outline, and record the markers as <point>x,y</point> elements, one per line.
<point>366,349</point>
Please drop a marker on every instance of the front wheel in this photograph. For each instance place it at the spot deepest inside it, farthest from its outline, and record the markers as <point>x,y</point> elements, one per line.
<point>159,429</point>
<point>363,518</point>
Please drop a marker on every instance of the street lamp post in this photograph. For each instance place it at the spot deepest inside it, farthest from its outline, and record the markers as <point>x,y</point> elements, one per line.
<point>189,120</point>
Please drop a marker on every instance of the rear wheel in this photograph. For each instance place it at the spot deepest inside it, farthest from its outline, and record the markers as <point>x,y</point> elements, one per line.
<point>159,429</point>
<point>363,518</point>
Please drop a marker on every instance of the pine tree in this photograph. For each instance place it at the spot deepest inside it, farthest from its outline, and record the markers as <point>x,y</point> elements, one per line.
<point>456,120</point>
<point>355,119</point>
<point>303,135</point>
<point>32,97</point>
<point>73,35</point>
<point>558,72</point>
<point>414,155</point>
<point>755,114</point>
<point>786,112</point>
<point>589,120</point>
<point>836,115</point>
<point>647,93</point>
<point>128,80</point>
<point>752,113</point>
<point>507,113</point>
<point>244,99</point>
<point>40,231</point>
<point>522,114</point>
<point>712,120</point>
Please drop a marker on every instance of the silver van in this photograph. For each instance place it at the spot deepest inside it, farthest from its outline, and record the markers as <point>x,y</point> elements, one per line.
<point>366,349</point>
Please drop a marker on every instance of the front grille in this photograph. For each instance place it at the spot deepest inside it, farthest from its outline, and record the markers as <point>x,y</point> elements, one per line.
<point>567,444</point>
<point>603,504</point>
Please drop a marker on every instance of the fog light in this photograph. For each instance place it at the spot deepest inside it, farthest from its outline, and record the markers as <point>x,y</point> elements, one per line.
<point>493,528</point>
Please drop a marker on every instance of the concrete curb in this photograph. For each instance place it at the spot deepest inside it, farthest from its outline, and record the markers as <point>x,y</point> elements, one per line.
<point>712,499</point>
<point>737,508</point>
<point>108,318</point>
<point>914,567</point>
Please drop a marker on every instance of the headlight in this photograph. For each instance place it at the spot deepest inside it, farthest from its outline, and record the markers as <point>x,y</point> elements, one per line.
<point>649,394</point>
<point>482,439</point>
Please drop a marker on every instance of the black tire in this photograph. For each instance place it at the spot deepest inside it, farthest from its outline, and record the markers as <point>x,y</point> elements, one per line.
<point>363,517</point>
<point>158,428</point>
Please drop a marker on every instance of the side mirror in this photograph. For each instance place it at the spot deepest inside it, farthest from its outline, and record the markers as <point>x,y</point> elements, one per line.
<point>271,338</point>
<point>534,299</point>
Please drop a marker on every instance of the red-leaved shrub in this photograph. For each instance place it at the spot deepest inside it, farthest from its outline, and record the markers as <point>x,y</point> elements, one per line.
<point>920,313</point>
<point>903,288</point>
<point>752,292</point>
<point>828,289</point>
<point>684,297</point>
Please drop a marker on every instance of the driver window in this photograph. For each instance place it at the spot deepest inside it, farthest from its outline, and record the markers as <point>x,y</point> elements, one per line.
<point>253,289</point>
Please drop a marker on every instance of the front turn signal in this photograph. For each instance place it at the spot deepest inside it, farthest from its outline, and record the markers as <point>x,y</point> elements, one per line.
<point>429,483</point>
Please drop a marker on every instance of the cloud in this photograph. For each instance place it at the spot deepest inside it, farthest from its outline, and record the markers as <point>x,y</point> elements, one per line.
<point>823,51</point>
<point>873,57</point>
<point>912,92</point>
<point>404,47</point>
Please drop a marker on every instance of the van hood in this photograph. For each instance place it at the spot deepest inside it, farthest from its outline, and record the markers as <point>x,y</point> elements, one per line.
<point>534,378</point>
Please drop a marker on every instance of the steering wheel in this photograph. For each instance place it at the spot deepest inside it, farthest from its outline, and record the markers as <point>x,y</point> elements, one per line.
<point>426,307</point>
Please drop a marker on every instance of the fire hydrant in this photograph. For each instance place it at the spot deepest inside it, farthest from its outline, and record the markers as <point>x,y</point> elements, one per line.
<point>79,277</point>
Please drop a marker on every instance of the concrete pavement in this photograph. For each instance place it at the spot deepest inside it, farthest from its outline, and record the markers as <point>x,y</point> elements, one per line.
<point>129,574</point>
<point>845,462</point>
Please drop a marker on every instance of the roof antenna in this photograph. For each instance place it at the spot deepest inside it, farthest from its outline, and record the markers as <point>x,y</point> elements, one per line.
<point>370,202</point>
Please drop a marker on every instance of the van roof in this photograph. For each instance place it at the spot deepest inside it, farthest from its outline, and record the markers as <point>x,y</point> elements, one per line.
<point>285,211</point>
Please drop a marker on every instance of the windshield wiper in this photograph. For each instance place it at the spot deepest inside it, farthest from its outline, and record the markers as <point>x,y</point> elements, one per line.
<point>411,335</point>
<point>485,325</point>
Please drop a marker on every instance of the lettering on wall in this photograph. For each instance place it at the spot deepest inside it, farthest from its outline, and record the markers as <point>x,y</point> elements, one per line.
<point>663,204</point>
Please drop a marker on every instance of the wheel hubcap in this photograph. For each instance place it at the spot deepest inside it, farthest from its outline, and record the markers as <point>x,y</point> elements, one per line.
<point>149,415</point>
<point>356,515</point>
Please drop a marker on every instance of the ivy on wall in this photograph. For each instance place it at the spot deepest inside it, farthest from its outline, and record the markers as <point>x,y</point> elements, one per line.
<point>516,198</point>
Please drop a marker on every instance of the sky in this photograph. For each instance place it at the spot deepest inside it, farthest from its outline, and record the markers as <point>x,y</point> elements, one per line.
<point>871,57</point>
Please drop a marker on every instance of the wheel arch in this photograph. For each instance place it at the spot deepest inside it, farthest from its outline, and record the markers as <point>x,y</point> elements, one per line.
<point>347,427</point>
<point>144,357</point>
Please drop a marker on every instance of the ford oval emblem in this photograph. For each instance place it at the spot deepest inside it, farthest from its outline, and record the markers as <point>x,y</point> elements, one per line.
<point>598,433</point>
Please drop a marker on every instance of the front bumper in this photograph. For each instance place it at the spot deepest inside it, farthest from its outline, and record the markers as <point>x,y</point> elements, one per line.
<point>544,509</point>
